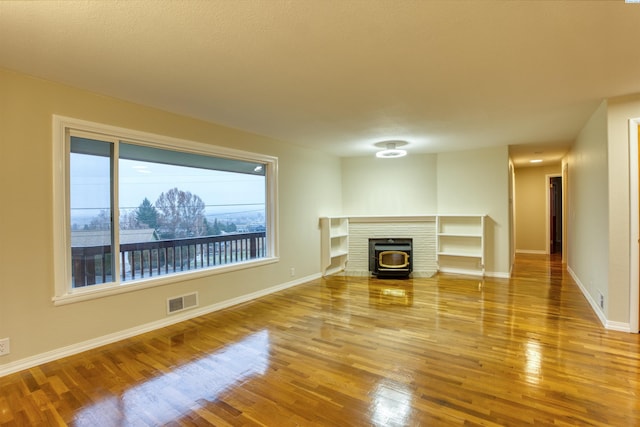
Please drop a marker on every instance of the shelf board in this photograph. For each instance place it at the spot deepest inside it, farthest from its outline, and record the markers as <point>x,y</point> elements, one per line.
<point>460,254</point>
<point>459,235</point>
<point>338,253</point>
<point>340,234</point>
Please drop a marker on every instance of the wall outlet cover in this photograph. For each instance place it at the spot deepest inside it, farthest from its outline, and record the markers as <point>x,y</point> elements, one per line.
<point>4,346</point>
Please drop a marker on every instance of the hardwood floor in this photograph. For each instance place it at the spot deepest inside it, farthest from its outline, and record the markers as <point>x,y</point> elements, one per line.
<point>338,351</point>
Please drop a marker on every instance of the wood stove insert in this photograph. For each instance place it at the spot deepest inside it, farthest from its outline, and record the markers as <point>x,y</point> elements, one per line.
<point>390,257</point>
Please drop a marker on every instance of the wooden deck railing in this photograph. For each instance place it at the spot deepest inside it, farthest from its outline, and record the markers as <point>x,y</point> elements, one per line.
<point>93,264</point>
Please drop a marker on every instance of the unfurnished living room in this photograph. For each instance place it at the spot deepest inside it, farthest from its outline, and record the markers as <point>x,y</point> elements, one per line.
<point>319,213</point>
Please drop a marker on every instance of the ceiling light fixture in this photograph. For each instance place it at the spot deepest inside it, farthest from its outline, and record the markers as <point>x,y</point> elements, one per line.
<point>391,151</point>
<point>535,161</point>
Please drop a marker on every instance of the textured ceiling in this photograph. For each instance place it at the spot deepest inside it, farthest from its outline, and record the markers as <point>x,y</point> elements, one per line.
<point>342,75</point>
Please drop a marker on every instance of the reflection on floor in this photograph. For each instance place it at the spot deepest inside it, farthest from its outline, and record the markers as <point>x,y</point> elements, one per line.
<point>447,350</point>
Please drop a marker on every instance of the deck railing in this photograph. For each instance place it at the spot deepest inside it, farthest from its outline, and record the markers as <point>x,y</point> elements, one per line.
<point>93,264</point>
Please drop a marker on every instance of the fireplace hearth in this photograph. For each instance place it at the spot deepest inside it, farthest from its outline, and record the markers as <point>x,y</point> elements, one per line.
<point>390,257</point>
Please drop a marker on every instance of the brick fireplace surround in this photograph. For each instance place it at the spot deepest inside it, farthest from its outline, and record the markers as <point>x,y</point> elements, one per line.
<point>422,229</point>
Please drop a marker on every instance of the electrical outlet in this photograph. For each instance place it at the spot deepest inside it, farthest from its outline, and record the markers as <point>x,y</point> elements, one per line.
<point>4,346</point>
<point>292,271</point>
<point>601,300</point>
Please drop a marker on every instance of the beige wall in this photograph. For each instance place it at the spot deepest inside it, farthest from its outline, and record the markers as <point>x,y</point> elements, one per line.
<point>588,210</point>
<point>620,111</point>
<point>599,209</point>
<point>477,182</point>
<point>531,207</point>
<point>401,186</point>
<point>461,182</point>
<point>309,186</point>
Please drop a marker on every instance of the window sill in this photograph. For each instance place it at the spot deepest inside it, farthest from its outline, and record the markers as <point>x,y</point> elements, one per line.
<point>101,291</point>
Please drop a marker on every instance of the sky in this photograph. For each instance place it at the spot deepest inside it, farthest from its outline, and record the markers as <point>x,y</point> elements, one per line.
<point>224,192</point>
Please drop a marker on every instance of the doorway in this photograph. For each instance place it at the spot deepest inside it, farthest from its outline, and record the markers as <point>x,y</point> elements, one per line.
<point>554,214</point>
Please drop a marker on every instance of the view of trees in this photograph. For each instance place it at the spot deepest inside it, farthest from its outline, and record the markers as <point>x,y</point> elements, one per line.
<point>175,214</point>
<point>219,227</point>
<point>101,222</point>
<point>180,214</point>
<point>146,214</point>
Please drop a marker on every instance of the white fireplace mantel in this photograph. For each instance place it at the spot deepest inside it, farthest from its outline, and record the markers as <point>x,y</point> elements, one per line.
<point>391,219</point>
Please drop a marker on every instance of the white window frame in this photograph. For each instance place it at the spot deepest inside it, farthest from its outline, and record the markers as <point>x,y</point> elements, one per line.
<point>64,293</point>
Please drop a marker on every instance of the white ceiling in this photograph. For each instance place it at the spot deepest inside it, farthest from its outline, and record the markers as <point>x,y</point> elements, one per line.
<point>342,75</point>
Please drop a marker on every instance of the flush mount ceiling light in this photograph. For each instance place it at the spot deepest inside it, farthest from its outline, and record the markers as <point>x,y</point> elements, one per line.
<point>537,158</point>
<point>391,150</point>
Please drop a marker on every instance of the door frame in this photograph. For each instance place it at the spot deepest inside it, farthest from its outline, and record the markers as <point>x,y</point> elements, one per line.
<point>634,235</point>
<point>547,211</point>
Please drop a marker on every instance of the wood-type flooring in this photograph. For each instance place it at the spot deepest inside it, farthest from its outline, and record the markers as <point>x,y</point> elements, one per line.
<point>355,351</point>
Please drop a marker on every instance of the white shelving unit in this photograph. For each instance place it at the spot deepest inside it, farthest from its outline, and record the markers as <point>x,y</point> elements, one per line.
<point>460,243</point>
<point>335,244</point>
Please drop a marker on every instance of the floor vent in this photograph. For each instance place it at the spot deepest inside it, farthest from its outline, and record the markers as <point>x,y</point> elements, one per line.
<point>183,302</point>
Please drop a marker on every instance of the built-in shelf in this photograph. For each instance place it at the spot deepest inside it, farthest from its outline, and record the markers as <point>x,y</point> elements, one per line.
<point>461,254</point>
<point>338,253</point>
<point>335,244</point>
<point>460,243</point>
<point>459,246</point>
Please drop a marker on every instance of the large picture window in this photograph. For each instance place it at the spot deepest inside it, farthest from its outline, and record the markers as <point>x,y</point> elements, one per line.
<point>135,209</point>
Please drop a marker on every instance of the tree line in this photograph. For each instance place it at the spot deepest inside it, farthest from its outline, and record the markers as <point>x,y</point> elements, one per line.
<point>175,214</point>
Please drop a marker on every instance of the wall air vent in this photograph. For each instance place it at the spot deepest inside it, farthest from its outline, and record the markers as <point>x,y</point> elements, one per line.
<point>182,302</point>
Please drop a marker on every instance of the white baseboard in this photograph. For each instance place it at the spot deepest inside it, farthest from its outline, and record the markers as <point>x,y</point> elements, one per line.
<point>531,251</point>
<point>462,271</point>
<point>608,324</point>
<point>594,306</point>
<point>477,273</point>
<point>70,350</point>
<point>334,271</point>
<point>618,326</point>
<point>498,274</point>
